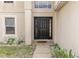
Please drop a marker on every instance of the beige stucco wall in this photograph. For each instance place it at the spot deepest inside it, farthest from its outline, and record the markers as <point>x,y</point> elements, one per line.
<point>67,26</point>
<point>27,5</point>
<point>28,19</point>
<point>17,6</point>
<point>28,24</point>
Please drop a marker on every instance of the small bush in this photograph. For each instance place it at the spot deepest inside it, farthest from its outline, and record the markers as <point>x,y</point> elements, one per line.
<point>20,41</point>
<point>11,41</point>
<point>59,52</point>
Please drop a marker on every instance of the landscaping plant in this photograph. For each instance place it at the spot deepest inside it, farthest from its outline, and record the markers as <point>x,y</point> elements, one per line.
<point>11,41</point>
<point>20,41</point>
<point>59,52</point>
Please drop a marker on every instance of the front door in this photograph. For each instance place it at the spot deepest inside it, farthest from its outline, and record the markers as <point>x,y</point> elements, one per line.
<point>42,28</point>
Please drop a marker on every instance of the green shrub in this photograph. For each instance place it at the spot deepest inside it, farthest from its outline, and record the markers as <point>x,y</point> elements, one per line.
<point>56,46</point>
<point>71,54</point>
<point>11,41</point>
<point>20,41</point>
<point>59,52</point>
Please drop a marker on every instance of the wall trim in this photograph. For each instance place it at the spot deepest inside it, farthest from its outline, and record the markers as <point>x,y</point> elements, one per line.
<point>59,4</point>
<point>15,25</point>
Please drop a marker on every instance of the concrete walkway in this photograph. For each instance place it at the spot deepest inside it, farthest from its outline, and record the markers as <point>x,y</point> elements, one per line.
<point>42,51</point>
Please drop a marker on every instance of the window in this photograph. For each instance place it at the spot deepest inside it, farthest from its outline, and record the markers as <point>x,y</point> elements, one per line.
<point>10,25</point>
<point>42,4</point>
<point>8,1</point>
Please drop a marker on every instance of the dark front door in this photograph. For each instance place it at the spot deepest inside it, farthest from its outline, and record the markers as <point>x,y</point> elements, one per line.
<point>42,28</point>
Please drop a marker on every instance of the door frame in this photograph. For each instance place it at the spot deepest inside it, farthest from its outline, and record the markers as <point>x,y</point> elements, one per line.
<point>51,29</point>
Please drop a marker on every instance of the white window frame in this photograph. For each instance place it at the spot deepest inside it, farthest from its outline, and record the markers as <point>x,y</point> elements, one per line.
<point>42,8</point>
<point>4,27</point>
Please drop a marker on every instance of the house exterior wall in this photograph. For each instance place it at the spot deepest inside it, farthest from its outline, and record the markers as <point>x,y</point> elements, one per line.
<point>67,29</point>
<point>15,10</point>
<point>20,26</point>
<point>24,13</point>
<point>30,13</point>
<point>19,18</point>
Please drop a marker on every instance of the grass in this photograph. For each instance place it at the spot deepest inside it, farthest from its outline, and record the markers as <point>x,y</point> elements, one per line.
<point>16,51</point>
